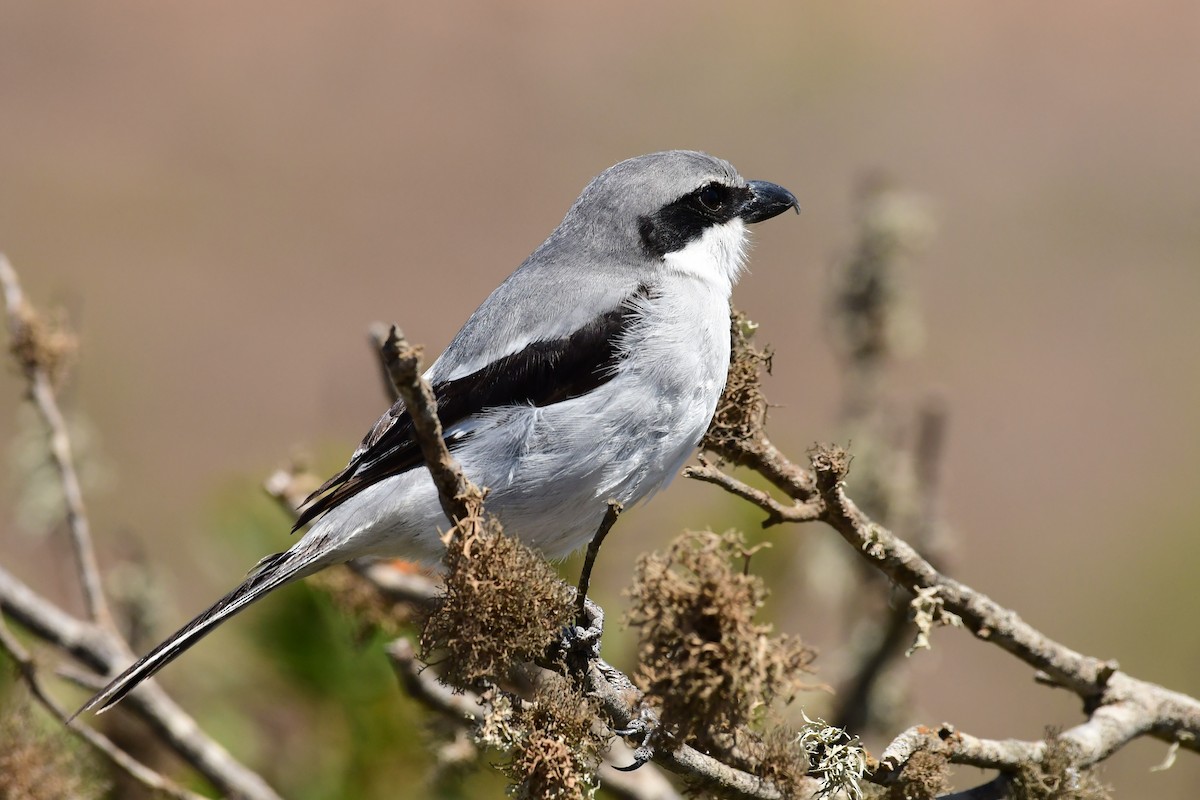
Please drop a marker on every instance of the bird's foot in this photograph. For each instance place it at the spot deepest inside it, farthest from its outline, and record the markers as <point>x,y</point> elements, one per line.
<point>644,729</point>
<point>579,643</point>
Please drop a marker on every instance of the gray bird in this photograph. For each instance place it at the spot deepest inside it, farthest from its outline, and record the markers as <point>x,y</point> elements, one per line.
<point>591,373</point>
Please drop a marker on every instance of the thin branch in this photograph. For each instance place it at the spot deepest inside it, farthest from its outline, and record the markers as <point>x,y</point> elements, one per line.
<point>1094,740</point>
<point>378,337</point>
<point>760,455</point>
<point>115,755</point>
<point>776,512</point>
<point>403,362</point>
<point>30,355</point>
<point>1122,707</point>
<point>104,652</point>
<point>424,686</point>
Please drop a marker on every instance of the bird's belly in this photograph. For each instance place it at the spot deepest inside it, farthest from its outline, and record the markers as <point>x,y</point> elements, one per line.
<point>552,470</point>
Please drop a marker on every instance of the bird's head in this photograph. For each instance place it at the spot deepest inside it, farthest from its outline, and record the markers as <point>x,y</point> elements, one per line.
<point>685,209</point>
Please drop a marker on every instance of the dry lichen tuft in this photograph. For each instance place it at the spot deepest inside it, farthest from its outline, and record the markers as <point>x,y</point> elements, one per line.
<point>925,777</point>
<point>830,462</point>
<point>1055,777</point>
<point>556,750</point>
<point>39,344</point>
<point>703,659</point>
<point>502,605</point>
<point>37,764</point>
<point>742,409</point>
<point>782,761</point>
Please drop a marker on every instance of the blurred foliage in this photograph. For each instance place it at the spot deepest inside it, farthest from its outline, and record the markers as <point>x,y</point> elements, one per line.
<point>39,760</point>
<point>318,709</point>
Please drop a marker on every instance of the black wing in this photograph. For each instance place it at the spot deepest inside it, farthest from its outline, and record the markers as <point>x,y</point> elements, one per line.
<point>544,373</point>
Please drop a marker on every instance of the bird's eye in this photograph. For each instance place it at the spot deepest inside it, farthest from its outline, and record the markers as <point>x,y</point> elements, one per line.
<point>712,197</point>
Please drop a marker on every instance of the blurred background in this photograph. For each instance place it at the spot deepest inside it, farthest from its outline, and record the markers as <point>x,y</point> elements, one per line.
<point>222,197</point>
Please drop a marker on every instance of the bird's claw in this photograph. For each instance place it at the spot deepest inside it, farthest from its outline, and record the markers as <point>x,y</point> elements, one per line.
<point>641,756</point>
<point>643,728</point>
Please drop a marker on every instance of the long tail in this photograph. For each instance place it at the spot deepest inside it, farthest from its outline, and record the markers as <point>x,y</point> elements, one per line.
<point>271,573</point>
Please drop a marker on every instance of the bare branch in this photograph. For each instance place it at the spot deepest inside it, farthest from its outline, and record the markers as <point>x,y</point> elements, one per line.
<point>776,512</point>
<point>104,652</point>
<point>424,685</point>
<point>23,331</point>
<point>403,363</point>
<point>118,757</point>
<point>377,335</point>
<point>1122,707</point>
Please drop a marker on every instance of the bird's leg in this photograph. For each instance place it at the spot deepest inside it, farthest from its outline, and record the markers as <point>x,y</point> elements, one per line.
<point>583,614</point>
<point>581,642</point>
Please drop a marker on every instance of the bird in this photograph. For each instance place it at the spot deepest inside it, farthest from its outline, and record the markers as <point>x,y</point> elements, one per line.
<point>590,374</point>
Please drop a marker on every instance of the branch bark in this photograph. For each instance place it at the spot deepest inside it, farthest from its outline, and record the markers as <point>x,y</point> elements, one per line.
<point>31,354</point>
<point>1120,707</point>
<point>104,653</point>
<point>95,643</point>
<point>403,363</point>
<point>98,741</point>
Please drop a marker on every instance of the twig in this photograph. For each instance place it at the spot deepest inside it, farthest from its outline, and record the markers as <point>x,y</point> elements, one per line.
<point>589,561</point>
<point>22,330</point>
<point>776,512</point>
<point>104,652</point>
<point>403,362</point>
<point>424,686</point>
<point>115,755</point>
<point>1121,707</point>
<point>377,335</point>
<point>769,461</point>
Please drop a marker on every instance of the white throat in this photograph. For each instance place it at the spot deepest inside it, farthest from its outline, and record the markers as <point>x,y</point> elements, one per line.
<point>716,257</point>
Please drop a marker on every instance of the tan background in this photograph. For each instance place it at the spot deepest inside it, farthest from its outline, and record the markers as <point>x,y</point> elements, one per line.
<point>224,196</point>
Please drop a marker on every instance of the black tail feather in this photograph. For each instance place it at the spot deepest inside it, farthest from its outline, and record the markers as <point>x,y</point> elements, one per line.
<point>271,573</point>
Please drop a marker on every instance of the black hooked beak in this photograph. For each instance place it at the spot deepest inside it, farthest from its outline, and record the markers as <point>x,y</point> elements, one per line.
<point>767,200</point>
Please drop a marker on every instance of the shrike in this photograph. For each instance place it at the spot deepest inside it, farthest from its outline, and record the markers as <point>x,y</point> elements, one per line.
<point>590,373</point>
